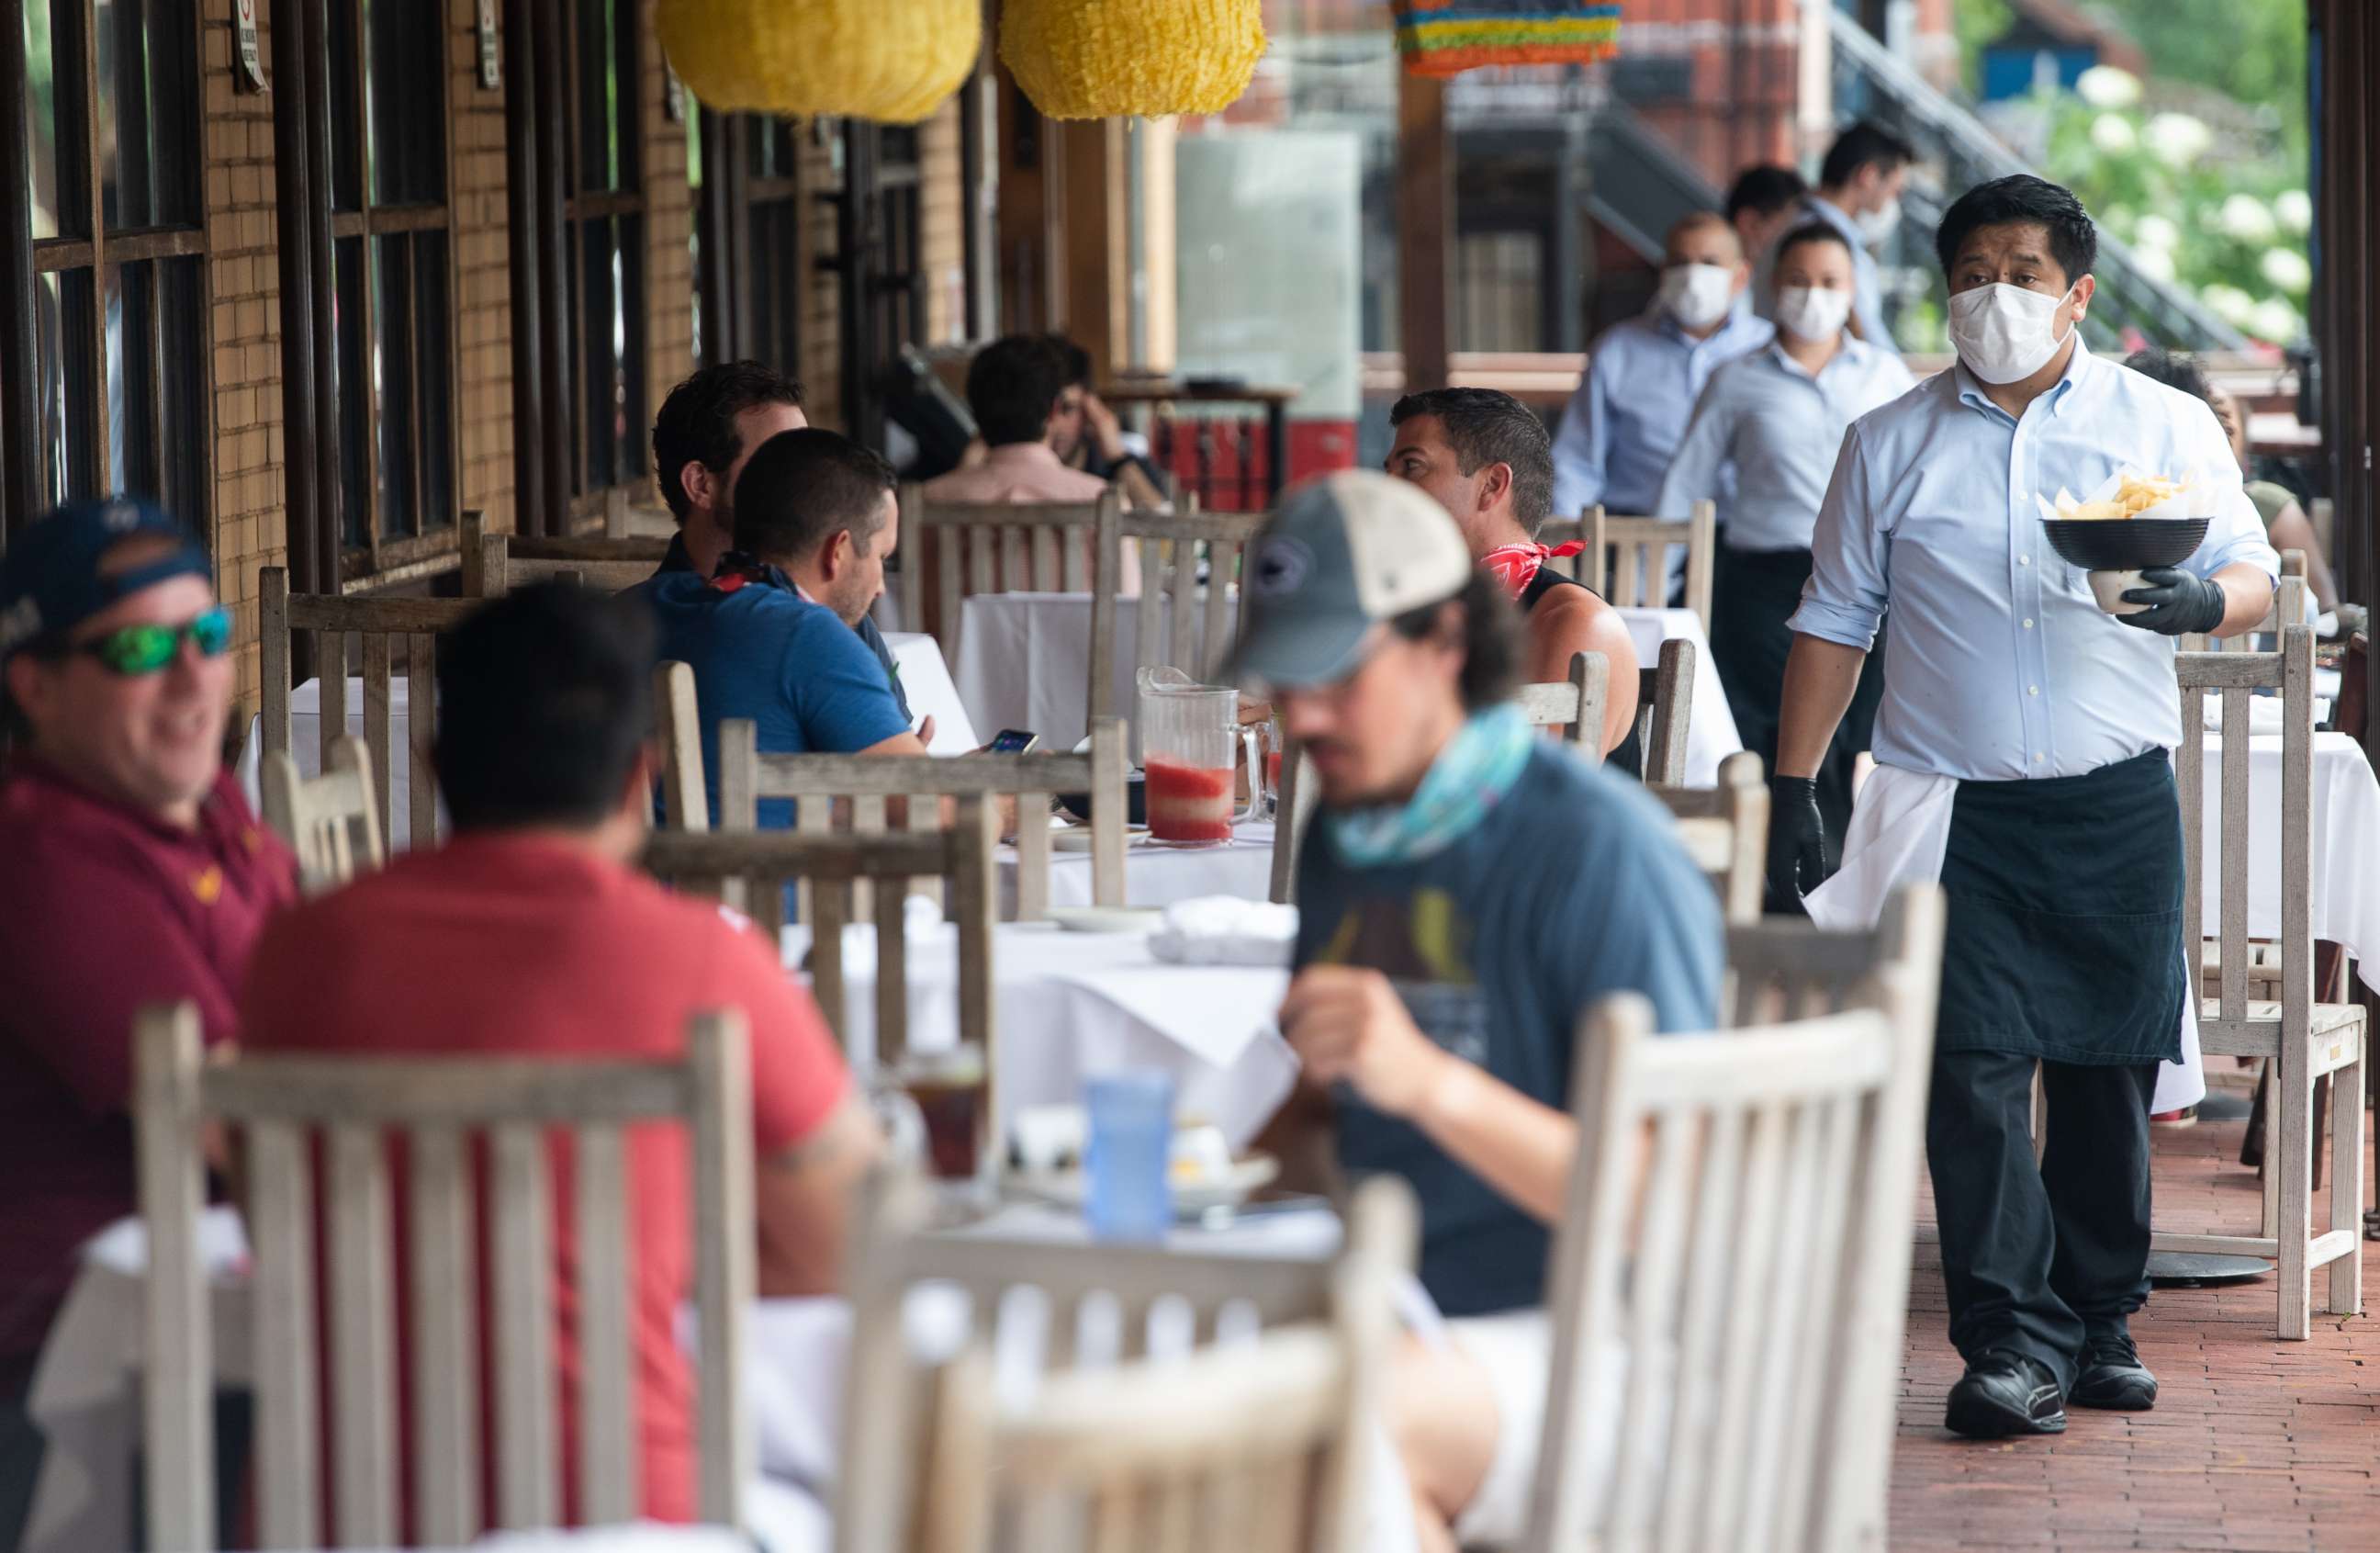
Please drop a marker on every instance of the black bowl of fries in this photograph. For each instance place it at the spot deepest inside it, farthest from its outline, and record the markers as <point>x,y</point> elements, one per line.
<point>2125,544</point>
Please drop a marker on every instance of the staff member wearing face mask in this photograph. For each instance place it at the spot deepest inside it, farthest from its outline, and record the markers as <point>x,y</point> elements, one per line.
<point>1643,376</point>
<point>1859,196</point>
<point>2022,753</point>
<point>1772,422</point>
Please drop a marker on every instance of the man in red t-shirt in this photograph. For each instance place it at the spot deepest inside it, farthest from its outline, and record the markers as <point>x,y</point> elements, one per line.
<point>132,872</point>
<point>531,933</point>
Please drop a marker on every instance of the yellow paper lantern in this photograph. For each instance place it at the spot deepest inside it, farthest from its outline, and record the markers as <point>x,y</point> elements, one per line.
<point>1132,58</point>
<point>889,60</point>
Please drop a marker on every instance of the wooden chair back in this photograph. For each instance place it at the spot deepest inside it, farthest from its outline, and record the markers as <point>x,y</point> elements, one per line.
<point>1293,811</point>
<point>331,821</point>
<point>495,563</point>
<point>1725,831</point>
<point>1735,1387</point>
<point>2292,604</point>
<point>749,870</point>
<point>382,626</point>
<point>1178,628</point>
<point>441,1107</point>
<point>1627,558</point>
<point>1787,968</point>
<point>1665,705</point>
<point>1054,1302</point>
<point>2302,1039</point>
<point>1574,706</point>
<point>820,784</point>
<point>951,551</point>
<point>685,792</point>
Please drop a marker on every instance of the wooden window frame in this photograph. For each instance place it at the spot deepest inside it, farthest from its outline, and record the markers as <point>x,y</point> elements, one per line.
<point>735,196</point>
<point>585,208</point>
<point>380,558</point>
<point>75,48</point>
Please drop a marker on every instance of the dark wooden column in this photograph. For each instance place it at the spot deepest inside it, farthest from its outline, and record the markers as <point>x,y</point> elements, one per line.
<point>2346,301</point>
<point>20,422</point>
<point>529,388</point>
<point>1425,229</point>
<point>554,283</point>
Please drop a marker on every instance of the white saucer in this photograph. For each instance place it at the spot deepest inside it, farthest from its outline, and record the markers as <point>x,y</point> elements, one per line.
<point>1106,919</point>
<point>1232,1188</point>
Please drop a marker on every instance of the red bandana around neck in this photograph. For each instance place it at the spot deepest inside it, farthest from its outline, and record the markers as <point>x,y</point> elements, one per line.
<point>1516,566</point>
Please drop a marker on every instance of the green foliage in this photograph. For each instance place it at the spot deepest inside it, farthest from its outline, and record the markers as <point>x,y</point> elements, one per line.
<point>1977,23</point>
<point>2252,51</point>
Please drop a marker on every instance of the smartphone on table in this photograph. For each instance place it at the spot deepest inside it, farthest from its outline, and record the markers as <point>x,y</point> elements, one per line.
<point>1013,741</point>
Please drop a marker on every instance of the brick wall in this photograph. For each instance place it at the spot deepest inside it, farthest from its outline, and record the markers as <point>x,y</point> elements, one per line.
<point>821,369</point>
<point>669,230</point>
<point>244,291</point>
<point>942,199</point>
<point>482,291</point>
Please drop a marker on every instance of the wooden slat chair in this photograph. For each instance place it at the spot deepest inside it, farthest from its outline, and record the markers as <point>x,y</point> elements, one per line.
<point>1176,627</point>
<point>2292,604</point>
<point>1787,968</point>
<point>1665,705</point>
<point>821,783</point>
<point>331,821</point>
<point>882,1502</point>
<point>1760,1309</point>
<point>1574,706</point>
<point>2302,1040</point>
<point>495,563</point>
<point>441,1106</point>
<point>950,550</point>
<point>754,866</point>
<point>1627,558</point>
<point>1300,790</point>
<point>685,795</point>
<point>1725,831</point>
<point>381,625</point>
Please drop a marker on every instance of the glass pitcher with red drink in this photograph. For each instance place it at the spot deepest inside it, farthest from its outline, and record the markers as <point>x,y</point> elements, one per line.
<point>1190,739</point>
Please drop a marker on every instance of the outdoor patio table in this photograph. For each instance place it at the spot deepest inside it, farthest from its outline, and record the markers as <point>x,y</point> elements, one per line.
<point>1072,1004</point>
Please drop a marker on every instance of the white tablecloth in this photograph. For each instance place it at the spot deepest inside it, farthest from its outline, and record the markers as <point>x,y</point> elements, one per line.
<point>1710,727</point>
<point>926,680</point>
<point>1024,661</point>
<point>306,743</point>
<point>1158,876</point>
<point>1072,1004</point>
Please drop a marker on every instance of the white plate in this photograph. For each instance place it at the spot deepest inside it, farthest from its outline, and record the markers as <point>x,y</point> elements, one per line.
<point>1106,919</point>
<point>1077,838</point>
<point>1244,1179</point>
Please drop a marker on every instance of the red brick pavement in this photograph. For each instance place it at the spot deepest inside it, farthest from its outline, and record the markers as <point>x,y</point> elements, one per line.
<point>2255,1444</point>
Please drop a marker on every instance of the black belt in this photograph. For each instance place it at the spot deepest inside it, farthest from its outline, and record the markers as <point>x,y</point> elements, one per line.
<point>2064,916</point>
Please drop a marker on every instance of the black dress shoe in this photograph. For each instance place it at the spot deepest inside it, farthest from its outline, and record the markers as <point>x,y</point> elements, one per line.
<point>2004,1393</point>
<point>2113,1376</point>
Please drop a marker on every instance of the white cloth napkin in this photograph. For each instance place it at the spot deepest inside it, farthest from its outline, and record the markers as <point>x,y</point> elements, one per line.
<point>2264,714</point>
<point>1226,930</point>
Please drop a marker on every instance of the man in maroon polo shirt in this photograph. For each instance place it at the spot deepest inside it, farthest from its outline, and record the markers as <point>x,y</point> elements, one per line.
<point>132,872</point>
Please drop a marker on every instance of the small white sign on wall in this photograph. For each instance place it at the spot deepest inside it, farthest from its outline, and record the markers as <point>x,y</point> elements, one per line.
<point>252,58</point>
<point>491,67</point>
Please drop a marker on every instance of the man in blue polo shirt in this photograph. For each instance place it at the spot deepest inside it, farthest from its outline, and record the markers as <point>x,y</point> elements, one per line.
<point>811,504</point>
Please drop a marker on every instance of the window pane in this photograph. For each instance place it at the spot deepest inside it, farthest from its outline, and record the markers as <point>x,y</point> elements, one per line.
<point>356,363</point>
<point>41,120</point>
<point>628,460</point>
<point>434,438</point>
<point>183,480</point>
<point>602,332</point>
<point>393,377</point>
<point>148,112</point>
<point>599,106</point>
<point>133,388</point>
<point>70,370</point>
<point>406,84</point>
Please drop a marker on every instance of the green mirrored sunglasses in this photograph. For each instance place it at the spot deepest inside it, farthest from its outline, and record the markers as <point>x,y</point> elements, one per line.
<point>144,649</point>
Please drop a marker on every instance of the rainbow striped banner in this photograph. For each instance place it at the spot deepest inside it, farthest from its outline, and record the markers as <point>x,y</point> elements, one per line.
<point>1446,37</point>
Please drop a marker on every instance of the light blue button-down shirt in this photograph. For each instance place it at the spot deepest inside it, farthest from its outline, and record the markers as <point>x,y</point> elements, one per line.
<point>1623,422</point>
<point>1867,285</point>
<point>1776,428</point>
<point>2002,665</point>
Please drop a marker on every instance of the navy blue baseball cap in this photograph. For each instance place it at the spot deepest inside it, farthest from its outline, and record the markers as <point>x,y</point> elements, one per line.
<point>50,578</point>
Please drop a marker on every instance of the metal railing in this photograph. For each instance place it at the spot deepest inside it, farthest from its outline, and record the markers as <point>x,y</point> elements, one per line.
<point>1882,87</point>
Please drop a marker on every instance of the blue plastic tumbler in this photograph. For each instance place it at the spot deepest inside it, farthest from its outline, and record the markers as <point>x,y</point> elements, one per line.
<point>1130,1153</point>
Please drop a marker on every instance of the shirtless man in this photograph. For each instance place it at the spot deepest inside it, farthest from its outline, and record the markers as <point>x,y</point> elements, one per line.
<point>1486,457</point>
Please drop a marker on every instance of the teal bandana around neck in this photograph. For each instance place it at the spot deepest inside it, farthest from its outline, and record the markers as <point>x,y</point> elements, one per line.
<point>1464,785</point>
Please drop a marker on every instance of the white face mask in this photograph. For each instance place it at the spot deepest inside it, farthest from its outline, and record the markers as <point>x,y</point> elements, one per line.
<point>1878,225</point>
<point>1697,295</point>
<point>1807,312</point>
<point>2004,333</point>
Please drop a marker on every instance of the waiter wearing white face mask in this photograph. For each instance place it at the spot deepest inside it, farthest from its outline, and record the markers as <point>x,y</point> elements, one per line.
<point>1771,421</point>
<point>2024,759</point>
<point>1859,196</point>
<point>1643,376</point>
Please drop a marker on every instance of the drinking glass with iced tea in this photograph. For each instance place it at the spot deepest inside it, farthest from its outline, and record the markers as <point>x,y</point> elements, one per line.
<point>1191,738</point>
<point>953,1096</point>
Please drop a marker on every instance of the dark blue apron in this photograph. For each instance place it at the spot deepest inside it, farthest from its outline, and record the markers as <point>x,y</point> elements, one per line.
<point>2065,917</point>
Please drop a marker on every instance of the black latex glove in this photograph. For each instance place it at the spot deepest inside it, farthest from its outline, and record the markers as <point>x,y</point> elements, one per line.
<point>1797,846</point>
<point>2177,603</point>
